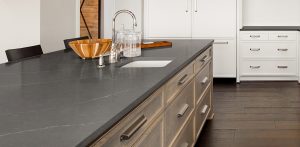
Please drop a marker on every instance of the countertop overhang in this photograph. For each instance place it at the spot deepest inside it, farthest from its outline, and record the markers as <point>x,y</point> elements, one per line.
<point>60,100</point>
<point>270,28</point>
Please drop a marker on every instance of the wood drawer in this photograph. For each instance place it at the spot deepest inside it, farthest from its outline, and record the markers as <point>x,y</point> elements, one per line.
<point>178,112</point>
<point>133,125</point>
<point>255,35</point>
<point>175,85</point>
<point>202,111</point>
<point>186,138</point>
<point>269,50</point>
<point>269,68</point>
<point>202,80</point>
<point>283,36</point>
<point>153,137</point>
<point>203,59</point>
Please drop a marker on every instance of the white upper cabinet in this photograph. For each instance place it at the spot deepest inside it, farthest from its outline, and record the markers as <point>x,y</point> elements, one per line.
<point>214,18</point>
<point>197,19</point>
<point>190,18</point>
<point>167,18</point>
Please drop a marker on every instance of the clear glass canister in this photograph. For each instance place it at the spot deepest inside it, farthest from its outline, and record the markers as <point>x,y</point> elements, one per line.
<point>129,42</point>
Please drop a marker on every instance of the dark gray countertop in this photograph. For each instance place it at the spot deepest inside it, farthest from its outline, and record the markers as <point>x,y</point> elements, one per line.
<point>59,100</point>
<point>271,28</point>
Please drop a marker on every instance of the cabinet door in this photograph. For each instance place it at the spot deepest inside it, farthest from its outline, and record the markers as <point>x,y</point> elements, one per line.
<point>167,18</point>
<point>224,59</point>
<point>214,18</point>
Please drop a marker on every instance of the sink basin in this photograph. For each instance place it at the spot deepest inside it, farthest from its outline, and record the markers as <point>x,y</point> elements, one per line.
<point>147,64</point>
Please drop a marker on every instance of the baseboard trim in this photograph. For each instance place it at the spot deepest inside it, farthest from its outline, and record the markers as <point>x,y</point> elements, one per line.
<point>224,80</point>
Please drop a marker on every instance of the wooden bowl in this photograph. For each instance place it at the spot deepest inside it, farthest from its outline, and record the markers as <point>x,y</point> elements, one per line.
<point>91,48</point>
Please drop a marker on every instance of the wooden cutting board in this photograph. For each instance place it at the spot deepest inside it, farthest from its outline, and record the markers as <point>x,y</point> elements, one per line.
<point>157,44</point>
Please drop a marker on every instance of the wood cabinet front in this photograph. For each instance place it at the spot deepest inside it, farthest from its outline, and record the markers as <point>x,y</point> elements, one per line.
<point>153,137</point>
<point>202,80</point>
<point>134,124</point>
<point>179,111</point>
<point>171,116</point>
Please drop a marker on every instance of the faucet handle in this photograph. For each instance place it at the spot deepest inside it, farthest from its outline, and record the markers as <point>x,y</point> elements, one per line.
<point>101,62</point>
<point>113,56</point>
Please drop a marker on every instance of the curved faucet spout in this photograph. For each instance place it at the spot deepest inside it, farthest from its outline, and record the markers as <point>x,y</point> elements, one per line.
<point>115,53</point>
<point>114,22</point>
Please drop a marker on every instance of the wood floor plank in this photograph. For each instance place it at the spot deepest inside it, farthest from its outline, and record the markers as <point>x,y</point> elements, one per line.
<point>295,125</point>
<point>283,110</point>
<point>267,134</point>
<point>257,117</point>
<point>254,114</point>
<point>237,124</point>
<point>257,142</point>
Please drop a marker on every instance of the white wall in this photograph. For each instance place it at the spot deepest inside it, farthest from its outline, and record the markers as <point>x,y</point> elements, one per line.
<point>108,9</point>
<point>59,21</point>
<point>271,12</point>
<point>19,24</point>
<point>136,6</point>
<point>111,6</point>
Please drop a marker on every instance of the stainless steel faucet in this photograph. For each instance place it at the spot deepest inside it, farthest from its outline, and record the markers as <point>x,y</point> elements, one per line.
<point>115,53</point>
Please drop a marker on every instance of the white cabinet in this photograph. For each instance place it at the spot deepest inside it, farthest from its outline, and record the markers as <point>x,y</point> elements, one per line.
<point>199,19</point>
<point>224,58</point>
<point>190,18</point>
<point>268,55</point>
<point>214,18</point>
<point>269,50</point>
<point>167,18</point>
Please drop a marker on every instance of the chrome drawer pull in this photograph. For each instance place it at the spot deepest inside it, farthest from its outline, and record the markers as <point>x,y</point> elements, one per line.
<point>203,59</point>
<point>254,49</point>
<point>204,81</point>
<point>133,128</point>
<point>282,36</point>
<point>255,67</point>
<point>255,36</point>
<point>204,109</point>
<point>283,49</point>
<point>182,80</point>
<point>282,67</point>
<point>226,42</point>
<point>183,110</point>
<point>185,144</point>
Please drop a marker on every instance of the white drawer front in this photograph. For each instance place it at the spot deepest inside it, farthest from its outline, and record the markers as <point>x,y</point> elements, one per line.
<point>269,68</point>
<point>224,58</point>
<point>288,36</point>
<point>255,35</point>
<point>269,50</point>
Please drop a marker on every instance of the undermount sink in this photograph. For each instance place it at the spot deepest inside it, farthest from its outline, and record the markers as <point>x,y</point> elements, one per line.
<point>147,64</point>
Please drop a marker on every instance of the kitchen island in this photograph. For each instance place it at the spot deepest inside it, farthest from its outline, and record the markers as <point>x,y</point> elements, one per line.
<point>60,100</point>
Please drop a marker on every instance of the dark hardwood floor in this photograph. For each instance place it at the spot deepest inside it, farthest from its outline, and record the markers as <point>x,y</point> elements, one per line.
<point>254,114</point>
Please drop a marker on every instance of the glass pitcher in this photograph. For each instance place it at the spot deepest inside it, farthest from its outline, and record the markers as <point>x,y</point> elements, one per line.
<point>129,43</point>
